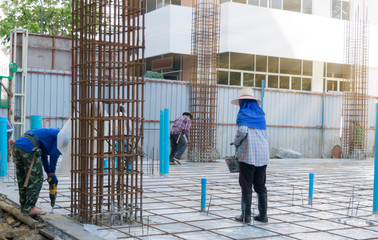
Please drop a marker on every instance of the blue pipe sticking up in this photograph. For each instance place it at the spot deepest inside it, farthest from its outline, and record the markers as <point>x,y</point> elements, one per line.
<point>161,148</point>
<point>311,188</point>
<point>166,141</point>
<point>203,194</point>
<point>262,93</point>
<point>375,191</point>
<point>3,147</point>
<point>35,121</point>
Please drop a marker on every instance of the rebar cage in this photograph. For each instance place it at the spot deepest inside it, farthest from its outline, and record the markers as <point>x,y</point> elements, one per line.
<point>107,110</point>
<point>355,100</point>
<point>204,80</point>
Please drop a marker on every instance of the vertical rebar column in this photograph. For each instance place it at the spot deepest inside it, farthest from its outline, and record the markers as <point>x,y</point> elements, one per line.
<point>107,110</point>
<point>204,91</point>
<point>354,134</point>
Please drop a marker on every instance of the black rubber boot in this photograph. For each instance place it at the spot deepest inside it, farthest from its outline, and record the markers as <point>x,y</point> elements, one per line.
<point>263,207</point>
<point>246,213</point>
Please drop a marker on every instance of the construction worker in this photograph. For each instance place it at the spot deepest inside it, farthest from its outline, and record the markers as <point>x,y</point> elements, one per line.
<point>180,127</point>
<point>253,154</point>
<point>31,152</point>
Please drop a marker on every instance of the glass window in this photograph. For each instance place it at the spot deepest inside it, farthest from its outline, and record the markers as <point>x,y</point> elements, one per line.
<point>240,1</point>
<point>4,97</point>
<point>344,86</point>
<point>307,6</point>
<point>307,68</point>
<point>292,5</point>
<point>306,84</point>
<point>172,76</point>
<point>235,78</point>
<point>331,85</point>
<point>151,5</point>
<point>242,61</point>
<point>273,81</point>
<point>261,63</point>
<point>263,3</point>
<point>223,60</point>
<point>334,70</point>
<point>176,2</point>
<point>223,1</point>
<point>284,82</point>
<point>253,2</point>
<point>159,3</point>
<point>248,79</point>
<point>259,78</point>
<point>223,77</point>
<point>336,8</point>
<point>275,4</point>
<point>273,64</point>
<point>345,10</point>
<point>290,66</point>
<point>296,83</point>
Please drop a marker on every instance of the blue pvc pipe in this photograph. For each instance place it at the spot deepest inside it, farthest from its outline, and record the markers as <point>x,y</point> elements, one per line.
<point>166,141</point>
<point>311,188</point>
<point>35,121</point>
<point>262,93</point>
<point>375,191</point>
<point>203,194</point>
<point>3,147</point>
<point>161,149</point>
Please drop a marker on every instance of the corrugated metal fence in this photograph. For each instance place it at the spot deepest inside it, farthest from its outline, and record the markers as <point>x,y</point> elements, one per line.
<point>294,119</point>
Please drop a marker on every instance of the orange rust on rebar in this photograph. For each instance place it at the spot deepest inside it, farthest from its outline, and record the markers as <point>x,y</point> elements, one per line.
<point>204,80</point>
<point>355,100</point>
<point>107,74</point>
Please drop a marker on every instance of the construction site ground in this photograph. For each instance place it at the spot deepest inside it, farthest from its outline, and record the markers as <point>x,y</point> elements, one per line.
<point>341,207</point>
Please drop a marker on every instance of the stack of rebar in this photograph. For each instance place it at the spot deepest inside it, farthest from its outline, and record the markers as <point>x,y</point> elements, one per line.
<point>107,110</point>
<point>204,79</point>
<point>354,132</point>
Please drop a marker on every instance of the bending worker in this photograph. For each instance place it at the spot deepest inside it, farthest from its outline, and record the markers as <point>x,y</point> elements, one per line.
<point>30,153</point>
<point>253,154</point>
<point>180,127</point>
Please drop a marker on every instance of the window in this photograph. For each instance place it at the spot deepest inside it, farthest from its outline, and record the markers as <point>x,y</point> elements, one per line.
<point>292,5</point>
<point>242,61</point>
<point>261,63</point>
<point>223,77</point>
<point>151,5</point>
<point>4,97</point>
<point>272,81</point>
<point>334,70</point>
<point>306,84</point>
<point>307,68</point>
<point>176,2</point>
<point>296,83</point>
<point>248,80</point>
<point>253,2</point>
<point>290,66</point>
<point>344,86</point>
<point>223,60</point>
<point>275,4</point>
<point>273,64</point>
<point>340,9</point>
<point>307,6</point>
<point>240,1</point>
<point>235,78</point>
<point>284,82</point>
<point>331,85</point>
<point>259,79</point>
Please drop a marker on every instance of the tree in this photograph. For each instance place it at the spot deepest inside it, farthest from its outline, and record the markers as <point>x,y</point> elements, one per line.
<point>53,16</point>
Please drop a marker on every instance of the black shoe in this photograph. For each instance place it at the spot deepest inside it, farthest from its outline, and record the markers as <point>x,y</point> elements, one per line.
<point>263,207</point>
<point>245,217</point>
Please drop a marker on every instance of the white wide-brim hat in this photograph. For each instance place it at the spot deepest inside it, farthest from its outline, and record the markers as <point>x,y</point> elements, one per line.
<point>247,93</point>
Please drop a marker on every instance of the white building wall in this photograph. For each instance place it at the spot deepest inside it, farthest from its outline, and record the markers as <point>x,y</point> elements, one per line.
<point>321,8</point>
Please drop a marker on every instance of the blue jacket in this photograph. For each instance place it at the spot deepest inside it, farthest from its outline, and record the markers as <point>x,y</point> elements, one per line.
<point>48,145</point>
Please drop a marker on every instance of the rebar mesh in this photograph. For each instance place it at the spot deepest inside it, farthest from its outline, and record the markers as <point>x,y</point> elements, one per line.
<point>354,134</point>
<point>204,91</point>
<point>107,58</point>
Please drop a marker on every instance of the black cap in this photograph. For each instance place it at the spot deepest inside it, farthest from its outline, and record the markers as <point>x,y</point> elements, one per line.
<point>188,114</point>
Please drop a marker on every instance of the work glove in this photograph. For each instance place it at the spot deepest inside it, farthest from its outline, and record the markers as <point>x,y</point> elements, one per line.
<point>52,179</point>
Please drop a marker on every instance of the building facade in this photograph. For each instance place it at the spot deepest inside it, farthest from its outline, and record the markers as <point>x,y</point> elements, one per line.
<point>291,44</point>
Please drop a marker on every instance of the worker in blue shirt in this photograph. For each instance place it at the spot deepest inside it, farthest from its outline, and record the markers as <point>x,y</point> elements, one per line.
<point>31,152</point>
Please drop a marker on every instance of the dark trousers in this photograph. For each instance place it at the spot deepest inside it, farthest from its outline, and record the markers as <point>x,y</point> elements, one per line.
<point>250,175</point>
<point>177,149</point>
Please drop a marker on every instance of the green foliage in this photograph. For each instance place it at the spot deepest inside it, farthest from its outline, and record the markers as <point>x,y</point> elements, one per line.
<point>56,17</point>
<point>153,75</point>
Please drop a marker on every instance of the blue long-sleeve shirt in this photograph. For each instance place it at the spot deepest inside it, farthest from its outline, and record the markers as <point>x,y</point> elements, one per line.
<point>48,146</point>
